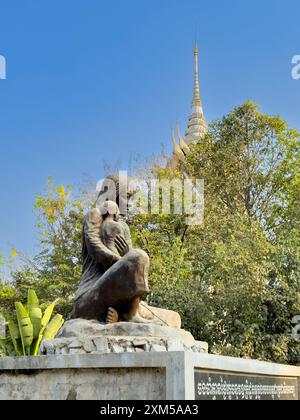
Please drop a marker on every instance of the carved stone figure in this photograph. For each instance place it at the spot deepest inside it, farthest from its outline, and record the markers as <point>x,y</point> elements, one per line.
<point>115,276</point>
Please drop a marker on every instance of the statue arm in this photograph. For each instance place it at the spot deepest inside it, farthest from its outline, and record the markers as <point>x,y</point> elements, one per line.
<point>95,246</point>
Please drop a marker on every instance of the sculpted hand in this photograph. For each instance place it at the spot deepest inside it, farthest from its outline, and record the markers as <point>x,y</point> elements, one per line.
<point>121,245</point>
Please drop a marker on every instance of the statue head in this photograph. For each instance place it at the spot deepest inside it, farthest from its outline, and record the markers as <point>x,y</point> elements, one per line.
<point>115,188</point>
<point>110,209</point>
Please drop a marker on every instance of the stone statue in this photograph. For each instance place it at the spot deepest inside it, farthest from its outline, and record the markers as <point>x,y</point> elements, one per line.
<point>115,276</point>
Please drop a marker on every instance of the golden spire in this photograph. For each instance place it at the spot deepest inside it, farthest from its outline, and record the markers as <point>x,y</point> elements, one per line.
<point>196,100</point>
<point>197,127</point>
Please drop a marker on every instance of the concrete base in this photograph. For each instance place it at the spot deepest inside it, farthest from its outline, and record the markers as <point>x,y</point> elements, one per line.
<point>139,376</point>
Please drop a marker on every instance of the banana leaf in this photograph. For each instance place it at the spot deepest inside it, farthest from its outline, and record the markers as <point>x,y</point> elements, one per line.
<point>48,313</point>
<point>53,327</point>
<point>25,327</point>
<point>14,333</point>
<point>35,312</point>
<point>44,322</point>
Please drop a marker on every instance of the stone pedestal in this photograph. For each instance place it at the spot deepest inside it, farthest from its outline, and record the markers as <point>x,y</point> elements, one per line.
<point>91,337</point>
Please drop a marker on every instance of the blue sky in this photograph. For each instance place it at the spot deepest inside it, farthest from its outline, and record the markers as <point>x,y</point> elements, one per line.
<point>95,80</point>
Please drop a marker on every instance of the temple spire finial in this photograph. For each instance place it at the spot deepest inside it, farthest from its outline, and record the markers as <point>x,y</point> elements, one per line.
<point>197,127</point>
<point>196,100</point>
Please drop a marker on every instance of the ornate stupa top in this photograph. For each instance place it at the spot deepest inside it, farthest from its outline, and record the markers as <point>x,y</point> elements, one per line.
<point>197,127</point>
